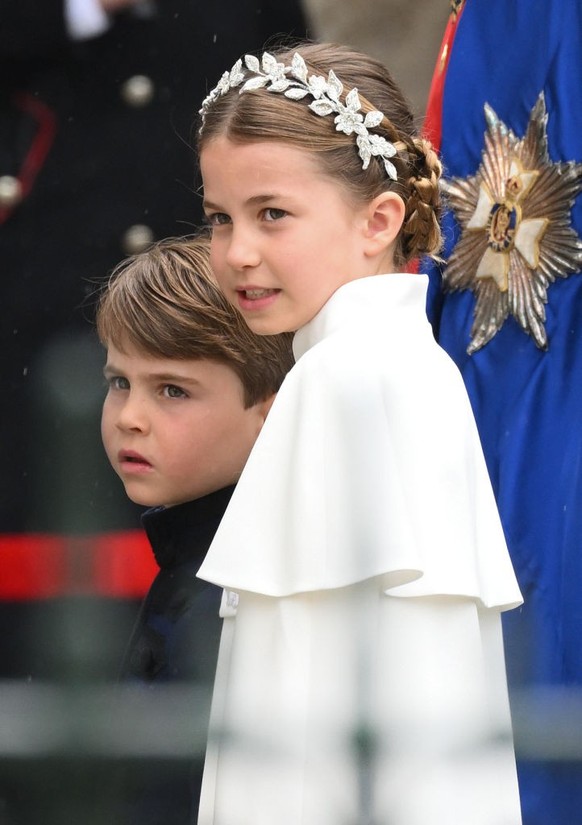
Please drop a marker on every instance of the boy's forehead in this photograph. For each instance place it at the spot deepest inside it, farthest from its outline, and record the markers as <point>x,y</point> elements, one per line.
<point>160,366</point>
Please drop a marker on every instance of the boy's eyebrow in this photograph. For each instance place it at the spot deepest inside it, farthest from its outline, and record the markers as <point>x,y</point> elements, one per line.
<point>110,370</point>
<point>172,378</point>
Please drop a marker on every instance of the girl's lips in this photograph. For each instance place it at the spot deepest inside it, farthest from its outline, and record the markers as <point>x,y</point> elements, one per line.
<point>254,298</point>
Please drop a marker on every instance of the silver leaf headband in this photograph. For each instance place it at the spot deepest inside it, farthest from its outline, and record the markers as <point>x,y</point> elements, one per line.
<point>295,83</point>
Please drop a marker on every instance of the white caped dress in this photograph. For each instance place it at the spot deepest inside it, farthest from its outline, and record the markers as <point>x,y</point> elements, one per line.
<point>361,675</point>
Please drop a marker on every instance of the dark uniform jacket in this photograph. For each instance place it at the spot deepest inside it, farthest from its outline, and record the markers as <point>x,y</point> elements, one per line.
<point>99,133</point>
<point>175,641</point>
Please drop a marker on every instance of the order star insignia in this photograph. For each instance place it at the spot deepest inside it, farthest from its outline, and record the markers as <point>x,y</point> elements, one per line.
<point>516,234</point>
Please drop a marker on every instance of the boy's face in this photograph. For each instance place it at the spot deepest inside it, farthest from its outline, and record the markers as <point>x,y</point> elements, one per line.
<point>175,430</point>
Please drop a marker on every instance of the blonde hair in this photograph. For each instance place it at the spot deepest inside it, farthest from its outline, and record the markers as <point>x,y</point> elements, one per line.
<point>166,303</point>
<point>260,115</point>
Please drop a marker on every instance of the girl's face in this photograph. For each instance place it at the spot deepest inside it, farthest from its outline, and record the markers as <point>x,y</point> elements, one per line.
<point>284,236</point>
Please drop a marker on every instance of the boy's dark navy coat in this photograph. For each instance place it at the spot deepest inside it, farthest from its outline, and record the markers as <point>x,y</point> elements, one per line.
<point>175,641</point>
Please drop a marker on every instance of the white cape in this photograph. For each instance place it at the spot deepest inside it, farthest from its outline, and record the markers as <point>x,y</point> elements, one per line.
<point>369,464</point>
<point>334,701</point>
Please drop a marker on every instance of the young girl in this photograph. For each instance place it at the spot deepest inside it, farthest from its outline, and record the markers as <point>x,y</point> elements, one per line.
<point>361,676</point>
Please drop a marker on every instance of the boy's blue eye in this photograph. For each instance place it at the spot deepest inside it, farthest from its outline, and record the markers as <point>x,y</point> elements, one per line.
<point>172,391</point>
<point>272,214</point>
<point>118,382</point>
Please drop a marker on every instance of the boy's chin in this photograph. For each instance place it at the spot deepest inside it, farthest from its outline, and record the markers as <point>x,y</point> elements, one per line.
<point>142,499</point>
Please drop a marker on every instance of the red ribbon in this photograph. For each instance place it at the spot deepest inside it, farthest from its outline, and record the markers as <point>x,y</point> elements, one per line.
<point>40,566</point>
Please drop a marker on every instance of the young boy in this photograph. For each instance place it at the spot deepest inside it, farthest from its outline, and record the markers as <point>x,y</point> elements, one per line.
<point>189,387</point>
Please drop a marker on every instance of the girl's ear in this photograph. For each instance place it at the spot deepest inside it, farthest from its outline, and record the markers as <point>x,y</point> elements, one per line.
<point>384,219</point>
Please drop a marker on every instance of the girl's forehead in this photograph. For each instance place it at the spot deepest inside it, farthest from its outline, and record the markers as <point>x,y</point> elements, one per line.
<point>254,162</point>
<point>265,150</point>
<point>260,172</point>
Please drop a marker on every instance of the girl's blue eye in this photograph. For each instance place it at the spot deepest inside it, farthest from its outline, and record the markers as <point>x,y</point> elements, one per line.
<point>218,219</point>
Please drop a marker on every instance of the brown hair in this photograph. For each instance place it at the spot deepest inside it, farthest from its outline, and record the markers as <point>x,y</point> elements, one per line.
<point>263,115</point>
<point>166,303</point>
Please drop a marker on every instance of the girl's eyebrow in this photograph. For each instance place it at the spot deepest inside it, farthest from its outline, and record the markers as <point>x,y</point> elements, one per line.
<point>209,205</point>
<point>258,200</point>
<point>255,200</point>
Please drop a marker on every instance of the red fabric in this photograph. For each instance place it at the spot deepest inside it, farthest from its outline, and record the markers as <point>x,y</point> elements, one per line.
<point>434,110</point>
<point>38,566</point>
<point>433,117</point>
<point>34,160</point>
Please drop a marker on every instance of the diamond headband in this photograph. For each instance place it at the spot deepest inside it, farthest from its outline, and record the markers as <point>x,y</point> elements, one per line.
<point>295,83</point>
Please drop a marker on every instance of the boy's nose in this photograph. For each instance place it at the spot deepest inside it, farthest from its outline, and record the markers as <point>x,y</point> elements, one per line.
<point>133,416</point>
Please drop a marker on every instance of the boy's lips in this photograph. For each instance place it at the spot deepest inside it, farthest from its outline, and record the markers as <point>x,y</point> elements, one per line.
<point>131,461</point>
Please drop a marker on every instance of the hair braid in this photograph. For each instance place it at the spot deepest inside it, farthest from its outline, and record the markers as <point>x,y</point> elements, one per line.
<point>421,229</point>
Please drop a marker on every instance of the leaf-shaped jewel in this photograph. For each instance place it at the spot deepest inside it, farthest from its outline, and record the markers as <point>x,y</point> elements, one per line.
<point>317,85</point>
<point>353,101</point>
<point>255,83</point>
<point>222,87</point>
<point>364,150</point>
<point>348,122</point>
<point>236,75</point>
<point>373,119</point>
<point>335,86</point>
<point>279,85</point>
<point>269,63</point>
<point>321,107</point>
<point>390,169</point>
<point>380,146</point>
<point>298,68</point>
<point>296,93</point>
<point>252,63</point>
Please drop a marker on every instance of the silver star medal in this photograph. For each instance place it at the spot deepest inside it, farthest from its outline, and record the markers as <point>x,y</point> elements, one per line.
<point>516,234</point>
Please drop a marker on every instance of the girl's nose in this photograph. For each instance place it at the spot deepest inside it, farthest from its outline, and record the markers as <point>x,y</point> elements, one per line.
<point>243,251</point>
